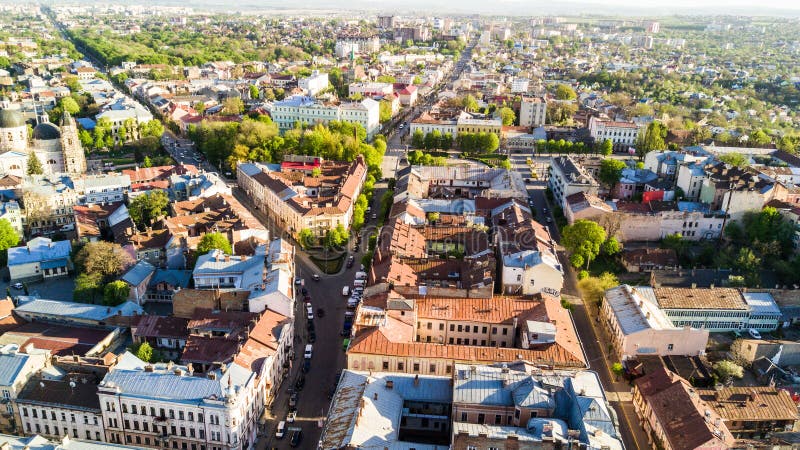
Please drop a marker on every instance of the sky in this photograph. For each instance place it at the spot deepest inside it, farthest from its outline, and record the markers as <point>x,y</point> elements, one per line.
<point>505,7</point>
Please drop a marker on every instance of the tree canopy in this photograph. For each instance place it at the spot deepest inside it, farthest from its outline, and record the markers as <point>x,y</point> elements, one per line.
<point>211,241</point>
<point>115,293</point>
<point>147,208</point>
<point>565,92</point>
<point>106,259</point>
<point>651,138</point>
<point>611,171</point>
<point>9,237</point>
<point>583,240</point>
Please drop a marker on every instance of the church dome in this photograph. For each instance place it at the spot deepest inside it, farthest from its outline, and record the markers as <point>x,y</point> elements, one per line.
<point>11,118</point>
<point>46,131</point>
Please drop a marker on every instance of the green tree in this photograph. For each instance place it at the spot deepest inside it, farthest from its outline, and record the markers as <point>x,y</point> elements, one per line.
<point>583,240</point>
<point>418,139</point>
<point>34,165</point>
<point>652,138</point>
<point>727,369</point>
<point>87,287</point>
<point>86,138</point>
<point>606,147</point>
<point>115,293</point>
<point>594,288</point>
<point>306,238</point>
<point>104,259</point>
<point>144,351</point>
<point>232,106</point>
<point>611,172</point>
<point>385,111</point>
<point>145,209</point>
<point>734,159</point>
<point>336,237</point>
<point>469,103</point>
<point>507,115</point>
<point>211,241</point>
<point>69,105</point>
<point>152,128</point>
<point>565,92</point>
<point>147,162</point>
<point>760,139</point>
<point>676,242</point>
<point>254,93</point>
<point>9,237</point>
<point>611,246</point>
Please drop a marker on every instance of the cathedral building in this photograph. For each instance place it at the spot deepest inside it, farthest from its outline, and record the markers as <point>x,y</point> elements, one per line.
<point>57,148</point>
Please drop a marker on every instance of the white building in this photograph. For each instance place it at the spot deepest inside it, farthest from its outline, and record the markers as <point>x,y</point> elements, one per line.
<point>58,408</point>
<point>519,85</point>
<point>532,112</point>
<point>313,84</point>
<point>530,272</point>
<point>370,89</point>
<point>622,134</point>
<point>639,327</point>
<point>102,188</point>
<point>567,177</point>
<point>154,405</point>
<point>18,369</point>
<point>305,110</point>
<point>118,117</point>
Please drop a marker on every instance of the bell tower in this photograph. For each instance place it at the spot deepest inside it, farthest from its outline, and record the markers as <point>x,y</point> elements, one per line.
<point>74,158</point>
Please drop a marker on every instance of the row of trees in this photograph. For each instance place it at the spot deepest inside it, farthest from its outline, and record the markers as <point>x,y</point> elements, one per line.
<point>561,147</point>
<point>431,140</point>
<point>482,142</point>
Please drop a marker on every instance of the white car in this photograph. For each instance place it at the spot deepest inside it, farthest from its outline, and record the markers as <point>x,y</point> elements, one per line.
<point>307,353</point>
<point>310,312</point>
<point>754,333</point>
<point>291,416</point>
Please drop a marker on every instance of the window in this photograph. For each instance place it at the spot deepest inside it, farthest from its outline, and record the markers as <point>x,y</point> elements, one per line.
<point>670,347</point>
<point>481,418</point>
<point>386,365</point>
<point>463,417</point>
<point>432,368</point>
<point>441,327</point>
<point>484,330</point>
<point>498,419</point>
<point>494,330</point>
<point>400,366</point>
<point>416,367</point>
<point>452,327</point>
<point>505,331</point>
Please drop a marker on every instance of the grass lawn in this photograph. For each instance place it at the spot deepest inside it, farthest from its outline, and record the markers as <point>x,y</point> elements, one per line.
<point>329,266</point>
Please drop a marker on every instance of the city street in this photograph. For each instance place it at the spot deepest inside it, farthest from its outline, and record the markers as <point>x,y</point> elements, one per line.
<point>595,343</point>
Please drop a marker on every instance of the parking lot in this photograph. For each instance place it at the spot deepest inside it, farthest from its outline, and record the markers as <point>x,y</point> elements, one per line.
<point>53,288</point>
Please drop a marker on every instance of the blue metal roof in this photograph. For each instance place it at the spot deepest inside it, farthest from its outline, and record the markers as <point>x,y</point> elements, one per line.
<point>138,273</point>
<point>10,366</point>
<point>39,250</point>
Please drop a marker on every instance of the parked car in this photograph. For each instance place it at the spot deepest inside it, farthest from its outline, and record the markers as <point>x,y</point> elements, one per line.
<point>346,291</point>
<point>754,333</point>
<point>301,381</point>
<point>297,436</point>
<point>291,416</point>
<point>280,432</point>
<point>310,312</point>
<point>306,365</point>
<point>304,291</point>
<point>307,353</point>
<point>17,286</point>
<point>315,277</point>
<point>312,336</point>
<point>297,280</point>
<point>293,399</point>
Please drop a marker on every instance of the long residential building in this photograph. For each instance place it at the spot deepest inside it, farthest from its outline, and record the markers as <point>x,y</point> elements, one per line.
<point>297,200</point>
<point>308,111</point>
<point>568,177</point>
<point>621,134</point>
<point>158,405</point>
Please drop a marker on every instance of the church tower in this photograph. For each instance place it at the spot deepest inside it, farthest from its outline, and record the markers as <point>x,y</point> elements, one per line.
<point>74,158</point>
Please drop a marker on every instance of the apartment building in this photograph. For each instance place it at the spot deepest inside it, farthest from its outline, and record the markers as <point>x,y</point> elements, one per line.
<point>543,409</point>
<point>370,89</point>
<point>473,125</point>
<point>639,327</point>
<point>314,83</point>
<point>385,337</point>
<point>568,177</point>
<point>305,110</point>
<point>297,200</point>
<point>133,115</point>
<point>104,188</point>
<point>532,112</point>
<point>735,190</point>
<point>519,85</point>
<point>58,408</point>
<point>621,134</point>
<point>47,202</point>
<point>674,416</point>
<point>19,368</point>
<point>168,406</point>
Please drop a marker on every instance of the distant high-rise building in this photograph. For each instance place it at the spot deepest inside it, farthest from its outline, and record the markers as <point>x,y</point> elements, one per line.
<point>387,22</point>
<point>653,27</point>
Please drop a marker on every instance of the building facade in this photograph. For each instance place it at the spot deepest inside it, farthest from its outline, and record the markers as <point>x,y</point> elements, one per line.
<point>532,112</point>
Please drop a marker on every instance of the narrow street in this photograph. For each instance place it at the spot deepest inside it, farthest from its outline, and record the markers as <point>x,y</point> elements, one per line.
<point>592,338</point>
